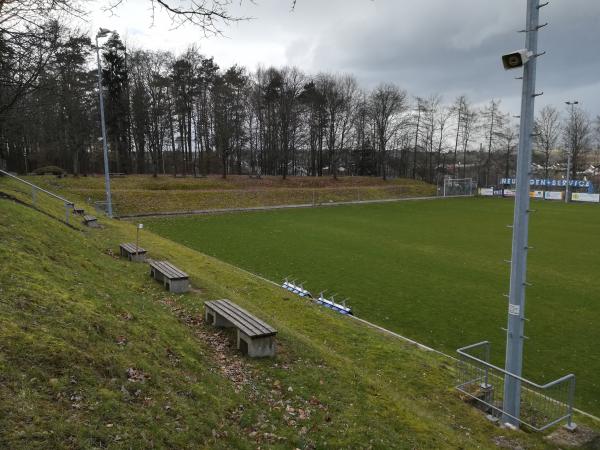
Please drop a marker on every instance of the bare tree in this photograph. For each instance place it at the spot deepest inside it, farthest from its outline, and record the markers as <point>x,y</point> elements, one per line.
<point>27,45</point>
<point>493,121</point>
<point>509,137</point>
<point>444,114</point>
<point>469,119</point>
<point>547,134</point>
<point>597,136</point>
<point>434,125</point>
<point>208,15</point>
<point>349,90</point>
<point>387,102</point>
<point>334,105</point>
<point>577,133</point>
<point>289,102</point>
<point>421,108</point>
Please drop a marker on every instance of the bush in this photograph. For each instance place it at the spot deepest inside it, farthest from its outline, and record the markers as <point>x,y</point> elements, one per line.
<point>49,170</point>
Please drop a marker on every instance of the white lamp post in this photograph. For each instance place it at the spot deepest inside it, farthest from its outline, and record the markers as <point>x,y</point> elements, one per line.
<point>103,32</point>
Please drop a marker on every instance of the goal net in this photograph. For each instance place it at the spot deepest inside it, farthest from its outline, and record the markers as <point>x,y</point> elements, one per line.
<point>458,186</point>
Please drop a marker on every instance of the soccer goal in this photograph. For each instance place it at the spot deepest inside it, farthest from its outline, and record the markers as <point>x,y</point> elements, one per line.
<point>458,186</point>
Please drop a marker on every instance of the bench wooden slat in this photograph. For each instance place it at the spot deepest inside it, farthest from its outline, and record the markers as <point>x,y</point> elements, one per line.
<point>129,247</point>
<point>242,321</point>
<point>250,324</point>
<point>253,321</point>
<point>89,218</point>
<point>169,270</point>
<point>173,271</point>
<point>243,324</point>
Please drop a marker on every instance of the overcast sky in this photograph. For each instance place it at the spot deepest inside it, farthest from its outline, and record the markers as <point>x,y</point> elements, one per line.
<point>427,46</point>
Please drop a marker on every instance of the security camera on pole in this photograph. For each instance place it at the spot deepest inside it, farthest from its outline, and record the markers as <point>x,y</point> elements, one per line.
<point>526,59</point>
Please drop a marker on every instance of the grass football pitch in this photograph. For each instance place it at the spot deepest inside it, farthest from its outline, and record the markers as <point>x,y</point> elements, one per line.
<point>433,271</point>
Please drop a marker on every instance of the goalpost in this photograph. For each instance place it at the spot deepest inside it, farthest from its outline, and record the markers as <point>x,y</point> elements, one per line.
<point>458,186</point>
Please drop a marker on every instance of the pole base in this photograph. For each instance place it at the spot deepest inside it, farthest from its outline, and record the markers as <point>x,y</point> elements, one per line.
<point>492,418</point>
<point>510,426</point>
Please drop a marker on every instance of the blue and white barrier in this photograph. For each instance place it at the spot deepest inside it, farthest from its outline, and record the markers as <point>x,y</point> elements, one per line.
<point>342,309</point>
<point>296,289</point>
<point>299,290</point>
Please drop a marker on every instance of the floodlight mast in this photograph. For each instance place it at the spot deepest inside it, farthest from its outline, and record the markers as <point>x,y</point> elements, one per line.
<point>518,270</point>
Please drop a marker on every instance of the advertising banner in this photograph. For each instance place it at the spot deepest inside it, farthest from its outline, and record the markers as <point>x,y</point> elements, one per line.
<point>509,192</point>
<point>554,195</point>
<point>536,194</point>
<point>487,192</point>
<point>549,182</point>
<point>580,197</point>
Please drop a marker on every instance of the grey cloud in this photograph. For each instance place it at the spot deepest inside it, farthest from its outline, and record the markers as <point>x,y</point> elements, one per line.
<point>426,46</point>
<point>450,47</point>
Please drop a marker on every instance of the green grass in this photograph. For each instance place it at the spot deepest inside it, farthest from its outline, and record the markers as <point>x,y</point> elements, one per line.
<point>67,306</point>
<point>433,271</point>
<point>136,194</point>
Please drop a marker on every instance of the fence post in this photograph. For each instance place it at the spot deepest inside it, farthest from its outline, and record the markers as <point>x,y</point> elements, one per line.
<point>571,426</point>
<point>487,360</point>
<point>33,192</point>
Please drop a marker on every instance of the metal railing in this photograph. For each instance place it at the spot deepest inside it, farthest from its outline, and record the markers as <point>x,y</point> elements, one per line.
<point>542,406</point>
<point>35,190</point>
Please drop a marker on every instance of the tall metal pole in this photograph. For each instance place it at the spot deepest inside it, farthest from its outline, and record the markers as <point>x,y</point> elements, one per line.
<point>518,270</point>
<point>568,188</point>
<point>104,143</point>
<point>570,153</point>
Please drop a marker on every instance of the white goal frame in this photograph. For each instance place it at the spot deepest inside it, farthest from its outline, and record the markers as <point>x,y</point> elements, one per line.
<point>464,181</point>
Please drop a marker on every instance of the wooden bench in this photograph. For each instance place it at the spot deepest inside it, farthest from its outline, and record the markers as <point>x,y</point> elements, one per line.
<point>173,279</point>
<point>133,253</point>
<point>254,337</point>
<point>78,210</point>
<point>91,221</point>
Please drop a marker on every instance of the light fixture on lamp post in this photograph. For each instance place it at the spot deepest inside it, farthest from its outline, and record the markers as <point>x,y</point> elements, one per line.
<point>103,32</point>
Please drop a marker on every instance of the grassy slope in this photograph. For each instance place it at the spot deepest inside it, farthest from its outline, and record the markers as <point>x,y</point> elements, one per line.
<point>66,303</point>
<point>433,271</point>
<point>144,194</point>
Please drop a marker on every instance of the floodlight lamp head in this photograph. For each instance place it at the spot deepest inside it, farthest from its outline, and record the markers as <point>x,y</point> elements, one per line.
<point>516,59</point>
<point>103,32</point>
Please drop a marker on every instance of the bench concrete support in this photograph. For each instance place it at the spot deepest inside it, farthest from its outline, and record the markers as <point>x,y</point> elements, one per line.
<point>136,257</point>
<point>129,251</point>
<point>91,222</point>
<point>256,347</point>
<point>177,286</point>
<point>170,276</point>
<point>217,320</point>
<point>156,275</point>
<point>261,340</point>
